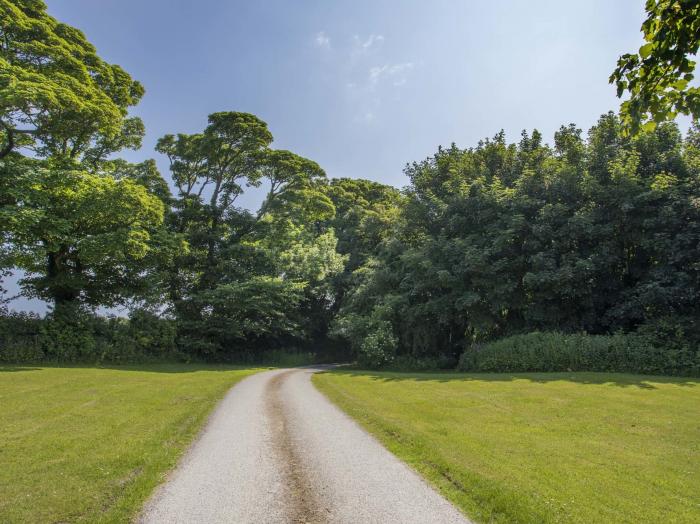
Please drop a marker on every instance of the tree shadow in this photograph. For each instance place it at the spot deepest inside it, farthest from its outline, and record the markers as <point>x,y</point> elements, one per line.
<point>14,369</point>
<point>145,368</point>
<point>579,377</point>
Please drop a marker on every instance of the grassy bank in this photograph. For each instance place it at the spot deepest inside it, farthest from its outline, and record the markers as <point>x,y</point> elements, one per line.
<point>88,444</point>
<point>570,447</point>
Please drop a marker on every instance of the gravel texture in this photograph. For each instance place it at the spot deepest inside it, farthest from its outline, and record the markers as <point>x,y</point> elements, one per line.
<point>276,450</point>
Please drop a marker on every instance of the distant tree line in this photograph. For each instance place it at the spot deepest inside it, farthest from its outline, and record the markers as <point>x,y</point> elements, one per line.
<point>595,236</point>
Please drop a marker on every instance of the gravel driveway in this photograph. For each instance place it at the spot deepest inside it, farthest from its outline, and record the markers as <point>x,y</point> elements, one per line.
<point>276,450</point>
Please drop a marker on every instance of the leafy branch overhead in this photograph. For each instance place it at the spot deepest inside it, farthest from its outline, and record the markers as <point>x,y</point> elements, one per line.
<point>659,77</point>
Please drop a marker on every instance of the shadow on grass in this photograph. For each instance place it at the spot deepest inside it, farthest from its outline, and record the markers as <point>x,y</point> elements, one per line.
<point>579,377</point>
<point>13,369</point>
<point>146,368</point>
<point>160,367</point>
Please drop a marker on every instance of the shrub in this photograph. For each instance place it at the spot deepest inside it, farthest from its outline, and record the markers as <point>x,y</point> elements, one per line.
<point>20,339</point>
<point>371,338</point>
<point>634,353</point>
<point>79,336</point>
<point>68,337</point>
<point>379,346</point>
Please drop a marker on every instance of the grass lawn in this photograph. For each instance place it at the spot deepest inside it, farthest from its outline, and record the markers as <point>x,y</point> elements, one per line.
<point>570,447</point>
<point>89,444</point>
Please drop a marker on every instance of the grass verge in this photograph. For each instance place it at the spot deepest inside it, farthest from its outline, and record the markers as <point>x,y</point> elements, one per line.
<point>539,447</point>
<point>90,444</point>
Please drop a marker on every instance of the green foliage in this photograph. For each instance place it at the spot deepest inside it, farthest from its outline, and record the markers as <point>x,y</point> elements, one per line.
<point>365,215</point>
<point>599,236</point>
<point>371,337</point>
<point>286,358</point>
<point>595,235</point>
<point>80,237</point>
<point>249,281</point>
<point>84,226</point>
<point>52,80</point>
<point>633,353</point>
<point>20,337</point>
<point>242,316</point>
<point>658,77</point>
<point>73,335</point>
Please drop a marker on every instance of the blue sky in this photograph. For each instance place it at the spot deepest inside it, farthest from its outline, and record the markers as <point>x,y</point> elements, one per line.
<point>364,87</point>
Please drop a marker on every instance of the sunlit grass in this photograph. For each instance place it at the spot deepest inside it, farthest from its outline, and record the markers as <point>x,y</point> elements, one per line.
<point>86,444</point>
<point>575,447</point>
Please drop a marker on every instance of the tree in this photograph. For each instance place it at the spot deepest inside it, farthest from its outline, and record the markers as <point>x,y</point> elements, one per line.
<point>57,96</point>
<point>209,169</point>
<point>658,77</point>
<point>83,225</point>
<point>280,254</point>
<point>79,236</point>
<point>365,215</point>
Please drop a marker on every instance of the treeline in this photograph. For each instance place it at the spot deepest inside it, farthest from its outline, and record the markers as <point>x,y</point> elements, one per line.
<point>596,235</point>
<point>512,257</point>
<point>90,230</point>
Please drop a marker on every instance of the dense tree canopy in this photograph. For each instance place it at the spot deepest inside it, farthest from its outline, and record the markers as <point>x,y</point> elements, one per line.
<point>593,235</point>
<point>79,236</point>
<point>249,279</point>
<point>81,224</point>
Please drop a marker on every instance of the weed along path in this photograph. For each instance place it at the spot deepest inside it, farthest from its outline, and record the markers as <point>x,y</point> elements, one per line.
<point>276,451</point>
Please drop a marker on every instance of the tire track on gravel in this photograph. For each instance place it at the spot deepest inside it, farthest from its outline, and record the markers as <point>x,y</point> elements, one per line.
<point>301,500</point>
<point>276,451</point>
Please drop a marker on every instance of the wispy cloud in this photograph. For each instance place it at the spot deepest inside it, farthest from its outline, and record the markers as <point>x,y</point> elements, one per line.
<point>364,45</point>
<point>396,74</point>
<point>369,78</point>
<point>322,40</point>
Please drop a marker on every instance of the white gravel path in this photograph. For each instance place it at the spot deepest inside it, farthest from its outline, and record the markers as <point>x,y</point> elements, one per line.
<point>277,451</point>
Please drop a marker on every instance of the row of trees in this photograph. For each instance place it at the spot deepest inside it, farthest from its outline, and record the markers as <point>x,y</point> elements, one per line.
<point>89,229</point>
<point>593,235</point>
<point>597,234</point>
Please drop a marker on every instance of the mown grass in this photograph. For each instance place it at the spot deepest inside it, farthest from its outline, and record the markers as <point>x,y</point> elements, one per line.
<point>90,444</point>
<point>539,447</point>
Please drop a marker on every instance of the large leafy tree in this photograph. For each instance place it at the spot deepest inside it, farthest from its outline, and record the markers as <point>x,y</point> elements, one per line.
<point>83,225</point>
<point>658,78</point>
<point>242,265</point>
<point>57,96</point>
<point>80,237</point>
<point>210,170</point>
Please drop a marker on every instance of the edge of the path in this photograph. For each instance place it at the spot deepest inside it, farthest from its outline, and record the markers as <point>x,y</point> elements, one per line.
<point>363,426</point>
<point>187,451</point>
<point>440,481</point>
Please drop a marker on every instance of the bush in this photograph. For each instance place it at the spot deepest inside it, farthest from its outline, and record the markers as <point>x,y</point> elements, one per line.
<point>20,337</point>
<point>69,337</point>
<point>638,352</point>
<point>378,347</point>
<point>371,338</point>
<point>77,336</point>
